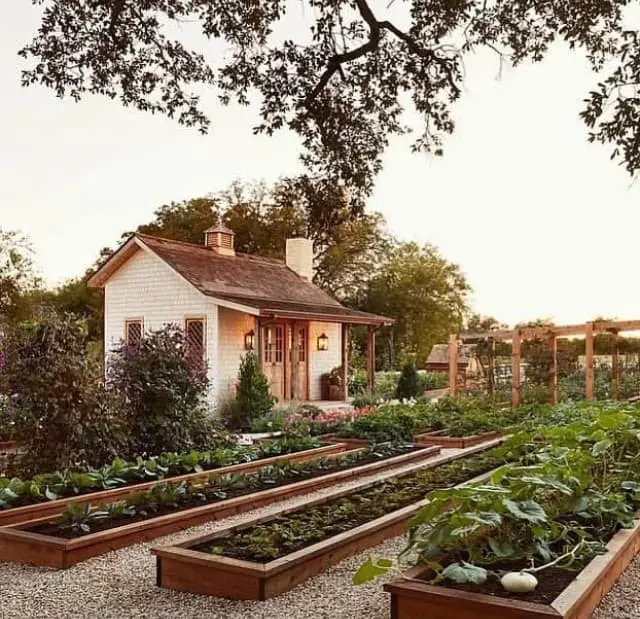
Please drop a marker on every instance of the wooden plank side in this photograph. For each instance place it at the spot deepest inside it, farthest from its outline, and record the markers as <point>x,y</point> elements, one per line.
<point>581,597</point>
<point>207,580</point>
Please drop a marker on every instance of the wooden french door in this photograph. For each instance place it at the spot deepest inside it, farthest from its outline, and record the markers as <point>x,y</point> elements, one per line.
<point>285,359</point>
<point>298,367</point>
<point>273,340</point>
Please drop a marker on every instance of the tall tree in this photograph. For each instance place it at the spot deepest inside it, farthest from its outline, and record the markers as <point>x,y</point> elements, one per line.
<point>427,296</point>
<point>75,297</point>
<point>342,71</point>
<point>18,280</point>
<point>347,248</point>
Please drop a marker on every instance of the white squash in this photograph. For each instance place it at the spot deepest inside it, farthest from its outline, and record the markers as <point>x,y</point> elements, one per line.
<point>519,582</point>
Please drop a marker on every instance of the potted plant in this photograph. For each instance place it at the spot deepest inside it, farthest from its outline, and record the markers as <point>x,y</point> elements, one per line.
<point>332,385</point>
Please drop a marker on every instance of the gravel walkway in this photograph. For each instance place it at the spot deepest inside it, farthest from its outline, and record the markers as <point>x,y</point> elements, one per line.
<point>122,585</point>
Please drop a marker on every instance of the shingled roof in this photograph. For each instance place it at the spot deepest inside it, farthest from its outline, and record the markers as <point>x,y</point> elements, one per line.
<point>264,285</point>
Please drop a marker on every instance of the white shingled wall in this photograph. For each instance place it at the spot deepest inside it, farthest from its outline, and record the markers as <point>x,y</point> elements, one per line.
<point>145,287</point>
<point>232,326</point>
<point>323,361</point>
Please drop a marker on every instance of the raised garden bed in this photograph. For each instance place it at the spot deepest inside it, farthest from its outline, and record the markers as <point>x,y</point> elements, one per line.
<point>8,445</point>
<point>34,543</point>
<point>460,442</point>
<point>194,566</point>
<point>50,509</point>
<point>572,596</point>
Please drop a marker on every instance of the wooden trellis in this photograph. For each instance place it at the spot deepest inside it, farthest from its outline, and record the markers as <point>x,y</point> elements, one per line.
<point>551,335</point>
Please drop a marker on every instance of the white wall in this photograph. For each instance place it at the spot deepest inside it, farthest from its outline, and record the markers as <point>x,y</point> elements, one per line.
<point>321,362</point>
<point>145,287</point>
<point>232,327</point>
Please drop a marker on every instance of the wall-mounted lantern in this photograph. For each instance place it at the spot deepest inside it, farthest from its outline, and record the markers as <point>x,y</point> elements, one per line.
<point>249,340</point>
<point>323,342</point>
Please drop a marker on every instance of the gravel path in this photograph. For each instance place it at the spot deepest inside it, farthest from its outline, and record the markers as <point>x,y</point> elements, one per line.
<point>122,585</point>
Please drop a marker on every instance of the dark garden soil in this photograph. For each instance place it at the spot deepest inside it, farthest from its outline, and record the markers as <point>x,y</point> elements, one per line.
<point>286,534</point>
<point>551,583</point>
<point>332,465</point>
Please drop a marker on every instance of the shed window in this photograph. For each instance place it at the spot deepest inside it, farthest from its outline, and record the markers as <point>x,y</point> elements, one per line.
<point>194,330</point>
<point>133,332</point>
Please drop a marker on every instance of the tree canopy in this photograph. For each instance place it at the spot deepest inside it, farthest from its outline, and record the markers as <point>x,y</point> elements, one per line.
<point>425,293</point>
<point>18,279</point>
<point>340,73</point>
<point>347,249</point>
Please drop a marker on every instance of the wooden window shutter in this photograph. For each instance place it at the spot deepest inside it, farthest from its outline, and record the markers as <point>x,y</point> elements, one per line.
<point>195,343</point>
<point>133,332</point>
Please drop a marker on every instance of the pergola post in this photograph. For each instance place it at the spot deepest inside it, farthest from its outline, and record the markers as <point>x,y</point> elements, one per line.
<point>615,368</point>
<point>516,343</point>
<point>588,371</point>
<point>371,357</point>
<point>453,364</point>
<point>345,360</point>
<point>553,370</point>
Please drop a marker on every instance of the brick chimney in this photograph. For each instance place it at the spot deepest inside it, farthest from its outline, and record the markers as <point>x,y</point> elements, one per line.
<point>219,238</point>
<point>300,257</point>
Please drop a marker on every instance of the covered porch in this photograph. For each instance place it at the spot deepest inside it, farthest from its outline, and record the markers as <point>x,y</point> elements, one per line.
<point>298,345</point>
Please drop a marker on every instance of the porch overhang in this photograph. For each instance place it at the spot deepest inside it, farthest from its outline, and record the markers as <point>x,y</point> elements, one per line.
<point>286,310</point>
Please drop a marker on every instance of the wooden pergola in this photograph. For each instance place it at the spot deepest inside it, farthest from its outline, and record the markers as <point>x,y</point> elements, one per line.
<point>551,335</point>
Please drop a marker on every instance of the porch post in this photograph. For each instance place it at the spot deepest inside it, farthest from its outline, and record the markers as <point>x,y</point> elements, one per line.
<point>258,341</point>
<point>371,357</point>
<point>345,360</point>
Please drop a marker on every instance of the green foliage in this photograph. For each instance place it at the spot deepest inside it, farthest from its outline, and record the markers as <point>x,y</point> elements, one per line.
<point>263,217</point>
<point>54,397</point>
<point>346,99</point>
<point>77,521</point>
<point>164,398</point>
<point>18,280</point>
<point>15,492</point>
<point>408,385</point>
<point>425,294</point>
<point>253,399</point>
<point>288,533</point>
<point>558,509</point>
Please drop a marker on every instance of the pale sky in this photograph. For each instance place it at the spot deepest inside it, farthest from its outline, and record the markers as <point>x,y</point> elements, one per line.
<point>541,222</point>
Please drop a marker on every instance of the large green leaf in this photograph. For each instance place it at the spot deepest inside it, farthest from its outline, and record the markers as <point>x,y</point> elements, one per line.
<point>526,510</point>
<point>501,548</point>
<point>465,573</point>
<point>370,570</point>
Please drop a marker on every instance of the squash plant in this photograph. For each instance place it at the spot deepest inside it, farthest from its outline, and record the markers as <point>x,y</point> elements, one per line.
<point>557,509</point>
